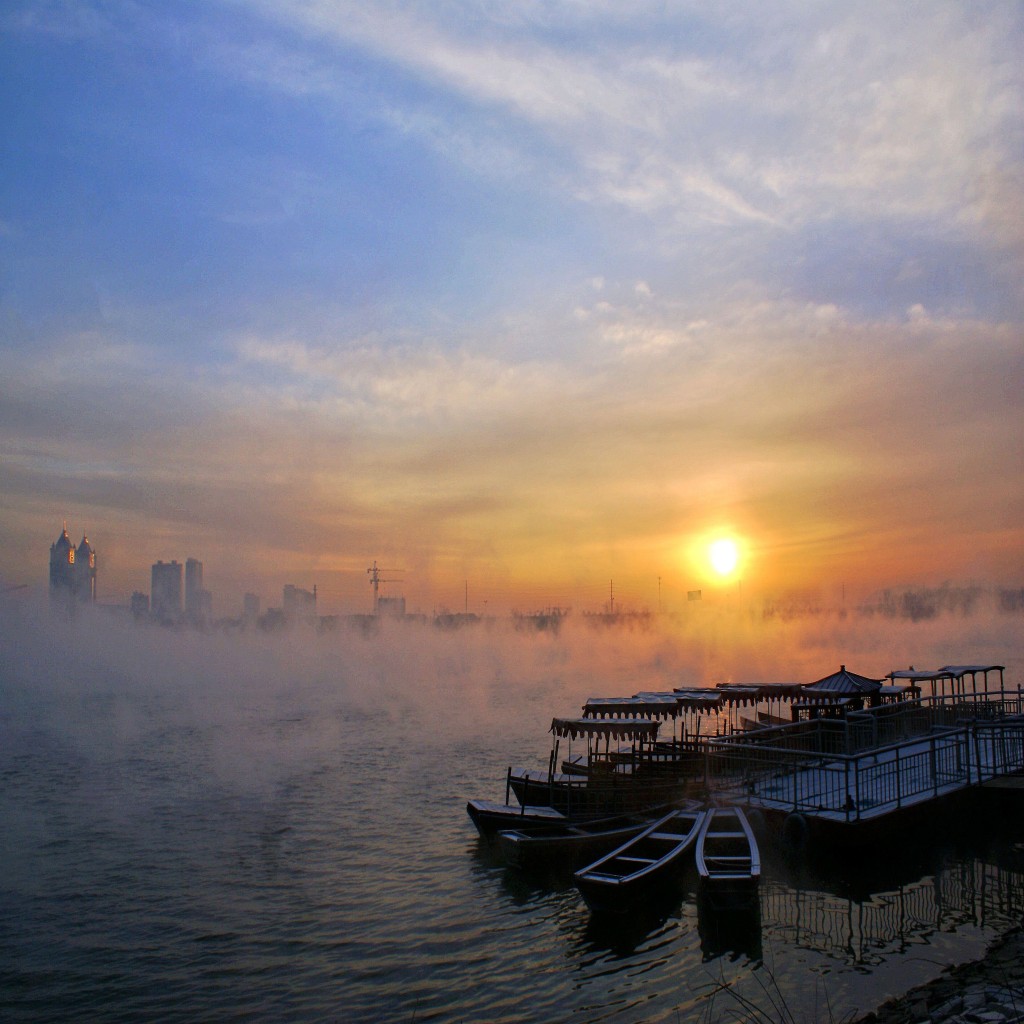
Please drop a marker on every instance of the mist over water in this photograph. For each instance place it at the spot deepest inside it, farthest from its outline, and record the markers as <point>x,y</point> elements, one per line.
<point>272,826</point>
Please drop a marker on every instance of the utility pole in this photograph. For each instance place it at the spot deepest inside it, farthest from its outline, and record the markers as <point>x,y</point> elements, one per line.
<point>376,580</point>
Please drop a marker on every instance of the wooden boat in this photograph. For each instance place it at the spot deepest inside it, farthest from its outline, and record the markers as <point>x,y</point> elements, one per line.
<point>561,790</point>
<point>603,779</point>
<point>728,860</point>
<point>642,867</point>
<point>491,817</point>
<point>565,846</point>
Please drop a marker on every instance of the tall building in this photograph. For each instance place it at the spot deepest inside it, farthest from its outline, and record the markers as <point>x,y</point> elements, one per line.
<point>193,585</point>
<point>198,602</point>
<point>250,607</point>
<point>165,591</point>
<point>298,603</point>
<point>72,570</point>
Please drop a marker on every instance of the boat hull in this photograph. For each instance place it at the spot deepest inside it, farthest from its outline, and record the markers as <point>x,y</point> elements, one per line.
<point>728,859</point>
<point>567,846</point>
<point>490,817</point>
<point>644,868</point>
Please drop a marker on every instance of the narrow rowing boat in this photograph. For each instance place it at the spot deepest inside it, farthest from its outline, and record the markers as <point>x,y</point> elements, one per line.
<point>643,866</point>
<point>728,860</point>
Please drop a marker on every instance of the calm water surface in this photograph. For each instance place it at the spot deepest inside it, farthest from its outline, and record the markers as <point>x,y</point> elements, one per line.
<point>301,852</point>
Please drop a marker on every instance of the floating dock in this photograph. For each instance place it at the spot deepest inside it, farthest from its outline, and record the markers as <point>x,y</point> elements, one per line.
<point>834,776</point>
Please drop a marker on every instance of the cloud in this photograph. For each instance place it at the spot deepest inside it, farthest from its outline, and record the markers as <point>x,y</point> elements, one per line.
<point>907,114</point>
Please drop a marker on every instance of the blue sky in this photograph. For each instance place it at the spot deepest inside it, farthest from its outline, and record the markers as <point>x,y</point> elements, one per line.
<point>536,294</point>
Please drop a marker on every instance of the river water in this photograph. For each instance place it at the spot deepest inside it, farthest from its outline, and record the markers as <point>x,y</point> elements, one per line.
<point>256,828</point>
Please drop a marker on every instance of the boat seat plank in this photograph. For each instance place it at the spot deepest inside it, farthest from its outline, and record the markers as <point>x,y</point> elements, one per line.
<point>636,860</point>
<point>727,835</point>
<point>672,837</point>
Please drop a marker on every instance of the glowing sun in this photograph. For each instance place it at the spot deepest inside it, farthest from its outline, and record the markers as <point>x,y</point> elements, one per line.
<point>724,556</point>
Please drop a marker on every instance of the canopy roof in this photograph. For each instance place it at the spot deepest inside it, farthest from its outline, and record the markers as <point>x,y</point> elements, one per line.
<point>843,683</point>
<point>895,691</point>
<point>920,677</point>
<point>609,728</point>
<point>693,699</point>
<point>642,705</point>
<point>741,693</point>
<point>968,670</point>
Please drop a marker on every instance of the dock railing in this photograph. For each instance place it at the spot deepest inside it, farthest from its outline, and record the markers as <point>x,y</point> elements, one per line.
<point>873,761</point>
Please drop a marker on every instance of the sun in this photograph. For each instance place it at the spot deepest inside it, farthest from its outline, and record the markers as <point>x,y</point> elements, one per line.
<point>724,555</point>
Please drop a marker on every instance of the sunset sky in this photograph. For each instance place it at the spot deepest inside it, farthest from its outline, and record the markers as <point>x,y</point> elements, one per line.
<point>517,298</point>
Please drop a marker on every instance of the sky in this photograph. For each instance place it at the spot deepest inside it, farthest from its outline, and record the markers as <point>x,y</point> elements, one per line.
<point>529,303</point>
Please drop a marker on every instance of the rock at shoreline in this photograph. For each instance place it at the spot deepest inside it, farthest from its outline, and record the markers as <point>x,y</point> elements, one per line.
<point>987,991</point>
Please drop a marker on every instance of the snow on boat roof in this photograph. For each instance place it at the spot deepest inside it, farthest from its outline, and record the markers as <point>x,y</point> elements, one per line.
<point>964,670</point>
<point>920,677</point>
<point>610,728</point>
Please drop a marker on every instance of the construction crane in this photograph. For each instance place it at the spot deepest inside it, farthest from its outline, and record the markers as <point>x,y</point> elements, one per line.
<point>376,579</point>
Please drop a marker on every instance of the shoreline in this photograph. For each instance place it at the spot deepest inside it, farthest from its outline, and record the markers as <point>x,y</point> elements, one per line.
<point>988,989</point>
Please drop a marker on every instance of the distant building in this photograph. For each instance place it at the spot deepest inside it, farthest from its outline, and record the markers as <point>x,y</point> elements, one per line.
<point>165,591</point>
<point>392,606</point>
<point>250,607</point>
<point>140,604</point>
<point>298,603</point>
<point>198,602</point>
<point>72,571</point>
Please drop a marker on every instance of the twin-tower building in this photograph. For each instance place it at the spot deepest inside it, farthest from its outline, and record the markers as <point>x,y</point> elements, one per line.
<point>72,570</point>
<point>165,592</point>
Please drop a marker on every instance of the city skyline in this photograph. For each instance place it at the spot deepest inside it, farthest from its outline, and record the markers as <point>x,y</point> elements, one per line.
<point>515,303</point>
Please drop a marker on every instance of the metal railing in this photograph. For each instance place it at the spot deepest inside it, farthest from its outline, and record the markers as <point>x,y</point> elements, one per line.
<point>843,770</point>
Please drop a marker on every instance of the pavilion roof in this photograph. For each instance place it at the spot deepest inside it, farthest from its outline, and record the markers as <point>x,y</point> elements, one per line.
<point>843,683</point>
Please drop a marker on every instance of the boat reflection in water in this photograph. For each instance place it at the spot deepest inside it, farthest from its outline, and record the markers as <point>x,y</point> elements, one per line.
<point>871,929</point>
<point>864,928</point>
<point>626,937</point>
<point>733,930</point>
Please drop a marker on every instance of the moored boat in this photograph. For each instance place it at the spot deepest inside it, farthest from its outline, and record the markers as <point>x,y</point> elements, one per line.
<point>603,779</point>
<point>566,846</point>
<point>728,859</point>
<point>490,817</point>
<point>642,867</point>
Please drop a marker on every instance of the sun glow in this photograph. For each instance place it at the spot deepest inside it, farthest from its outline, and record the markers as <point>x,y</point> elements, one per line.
<point>724,556</point>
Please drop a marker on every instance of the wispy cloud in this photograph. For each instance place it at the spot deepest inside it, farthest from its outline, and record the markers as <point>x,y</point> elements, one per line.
<point>767,115</point>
